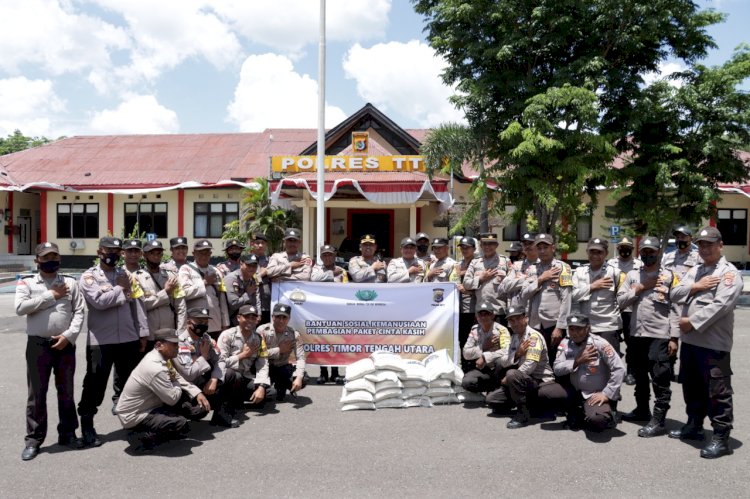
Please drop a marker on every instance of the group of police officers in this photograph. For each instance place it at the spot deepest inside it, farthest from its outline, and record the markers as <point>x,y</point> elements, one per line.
<point>187,337</point>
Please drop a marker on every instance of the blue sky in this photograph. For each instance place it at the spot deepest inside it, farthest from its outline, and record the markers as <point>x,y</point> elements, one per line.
<point>79,67</point>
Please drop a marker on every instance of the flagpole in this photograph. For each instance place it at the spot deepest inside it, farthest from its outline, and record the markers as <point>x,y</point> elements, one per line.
<point>321,148</point>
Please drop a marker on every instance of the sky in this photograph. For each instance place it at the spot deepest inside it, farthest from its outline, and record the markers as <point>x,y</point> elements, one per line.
<point>98,67</point>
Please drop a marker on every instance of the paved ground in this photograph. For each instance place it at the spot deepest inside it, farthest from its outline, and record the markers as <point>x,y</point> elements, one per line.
<point>311,449</point>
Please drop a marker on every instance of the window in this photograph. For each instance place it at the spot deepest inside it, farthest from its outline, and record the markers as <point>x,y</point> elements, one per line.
<point>583,227</point>
<point>733,226</point>
<point>77,220</point>
<point>150,217</point>
<point>210,218</point>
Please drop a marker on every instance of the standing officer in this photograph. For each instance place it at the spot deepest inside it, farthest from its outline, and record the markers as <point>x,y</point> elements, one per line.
<point>467,245</point>
<point>423,248</point>
<point>408,268</point>
<point>233,248</point>
<point>328,271</point>
<point>290,264</point>
<point>595,372</point>
<point>179,248</point>
<point>486,274</point>
<point>281,341</point>
<point>595,293</point>
<point>482,349</point>
<point>203,285</point>
<point>651,291</point>
<point>152,399</point>
<point>548,291</point>
<point>368,267</point>
<point>512,285</point>
<point>54,310</point>
<point>515,252</point>
<point>243,287</point>
<point>259,249</point>
<point>442,267</point>
<point>707,327</point>
<point>625,261</point>
<point>118,332</point>
<point>132,251</point>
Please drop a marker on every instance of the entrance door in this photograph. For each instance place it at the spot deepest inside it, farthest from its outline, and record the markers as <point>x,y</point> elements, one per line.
<point>379,223</point>
<point>24,235</point>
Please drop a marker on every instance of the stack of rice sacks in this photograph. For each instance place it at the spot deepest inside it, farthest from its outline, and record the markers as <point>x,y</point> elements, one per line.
<point>444,378</point>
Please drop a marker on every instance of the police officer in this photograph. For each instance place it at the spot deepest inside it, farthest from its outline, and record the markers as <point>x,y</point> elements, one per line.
<point>118,331</point>
<point>54,310</point>
<point>407,268</point>
<point>281,340</point>
<point>625,261</point>
<point>203,285</point>
<point>246,356</point>
<point>442,268</point>
<point>482,350</point>
<point>707,327</point>
<point>467,246</point>
<point>486,273</point>
<point>512,285</point>
<point>290,264</point>
<point>651,291</point>
<point>368,267</point>
<point>152,401</point>
<point>243,287</point>
<point>595,372</point>
<point>178,246</point>
<point>524,360</point>
<point>515,252</point>
<point>201,363</point>
<point>259,249</point>
<point>423,248</point>
<point>548,291</point>
<point>595,293</point>
<point>233,248</point>
<point>328,271</point>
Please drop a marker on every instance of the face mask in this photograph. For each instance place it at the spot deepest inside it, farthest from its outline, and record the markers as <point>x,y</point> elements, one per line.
<point>110,259</point>
<point>649,260</point>
<point>683,244</point>
<point>49,267</point>
<point>422,248</point>
<point>513,258</point>
<point>625,253</point>
<point>199,329</point>
<point>234,256</point>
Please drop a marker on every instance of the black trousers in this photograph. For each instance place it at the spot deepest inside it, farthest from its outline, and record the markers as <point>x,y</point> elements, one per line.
<point>170,422</point>
<point>282,377</point>
<point>100,359</point>
<point>626,336</point>
<point>612,337</point>
<point>221,400</point>
<point>706,378</point>
<point>650,357</point>
<point>551,349</point>
<point>465,321</point>
<point>41,361</point>
<point>563,395</point>
<point>486,379</point>
<point>519,388</point>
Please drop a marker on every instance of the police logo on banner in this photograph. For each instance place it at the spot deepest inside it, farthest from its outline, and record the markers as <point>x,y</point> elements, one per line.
<point>438,295</point>
<point>298,297</point>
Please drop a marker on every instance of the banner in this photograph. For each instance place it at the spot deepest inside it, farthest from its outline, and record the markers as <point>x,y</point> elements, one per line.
<point>343,323</point>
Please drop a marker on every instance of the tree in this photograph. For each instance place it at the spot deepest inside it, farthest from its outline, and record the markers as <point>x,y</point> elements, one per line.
<point>505,56</point>
<point>685,142</point>
<point>18,142</point>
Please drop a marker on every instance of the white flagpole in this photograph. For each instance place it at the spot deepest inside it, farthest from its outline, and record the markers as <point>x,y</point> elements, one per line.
<point>320,211</point>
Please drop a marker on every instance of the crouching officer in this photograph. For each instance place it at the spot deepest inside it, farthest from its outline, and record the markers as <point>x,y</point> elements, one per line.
<point>201,363</point>
<point>483,350</point>
<point>596,374</point>
<point>151,400</point>
<point>247,359</point>
<point>281,340</point>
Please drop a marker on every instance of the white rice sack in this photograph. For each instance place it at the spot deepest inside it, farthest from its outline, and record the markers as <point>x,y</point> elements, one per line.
<point>440,383</point>
<point>414,371</point>
<point>358,406</point>
<point>470,397</point>
<point>389,383</point>
<point>387,394</point>
<point>390,403</point>
<point>457,376</point>
<point>386,360</point>
<point>355,396</point>
<point>438,363</point>
<point>359,369</point>
<point>448,399</point>
<point>408,393</point>
<point>417,402</point>
<point>382,375</point>
<point>360,384</point>
<point>439,392</point>
<point>414,383</point>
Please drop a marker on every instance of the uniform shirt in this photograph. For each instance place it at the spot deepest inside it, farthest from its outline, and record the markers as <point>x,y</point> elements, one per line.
<point>162,310</point>
<point>681,263</point>
<point>231,342</point>
<point>320,273</point>
<point>604,374</point>
<point>625,266</point>
<point>237,292</point>
<point>448,272</point>
<point>275,357</point>
<point>153,383</point>
<point>361,270</point>
<point>192,365</point>
<point>549,303</point>
<point>115,315</point>
<point>279,268</point>
<point>600,305</point>
<point>536,361</point>
<point>473,349</point>
<point>398,270</point>
<point>711,312</point>
<point>265,286</point>
<point>45,316</point>
<point>512,285</point>
<point>173,266</point>
<point>468,297</point>
<point>197,294</point>
<point>488,290</point>
<point>651,309</point>
<point>228,266</point>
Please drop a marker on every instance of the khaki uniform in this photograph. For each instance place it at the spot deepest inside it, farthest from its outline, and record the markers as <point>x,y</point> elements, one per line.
<point>162,310</point>
<point>469,296</point>
<point>536,361</point>
<point>680,264</point>
<point>213,297</point>
<point>241,292</point>
<point>477,337</point>
<point>323,274</point>
<point>265,286</point>
<point>512,285</point>
<point>279,268</point>
<point>193,366</point>
<point>549,303</point>
<point>600,305</point>
<point>228,266</point>
<point>45,316</point>
<point>255,368</point>
<point>398,270</point>
<point>361,271</point>
<point>275,357</point>
<point>489,290</point>
<point>625,266</point>
<point>605,374</point>
<point>448,273</point>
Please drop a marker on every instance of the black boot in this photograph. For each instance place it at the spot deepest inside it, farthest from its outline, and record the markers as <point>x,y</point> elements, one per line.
<point>640,413</point>
<point>692,430</point>
<point>655,427</point>
<point>323,378</point>
<point>521,418</point>
<point>90,438</point>
<point>718,446</point>
<point>630,380</point>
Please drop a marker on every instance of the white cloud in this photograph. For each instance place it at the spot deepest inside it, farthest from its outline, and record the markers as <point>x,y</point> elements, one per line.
<point>137,114</point>
<point>288,25</point>
<point>271,94</point>
<point>664,70</point>
<point>29,106</point>
<point>402,79</point>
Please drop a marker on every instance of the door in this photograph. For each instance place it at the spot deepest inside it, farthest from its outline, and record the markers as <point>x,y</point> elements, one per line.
<point>379,223</point>
<point>24,235</point>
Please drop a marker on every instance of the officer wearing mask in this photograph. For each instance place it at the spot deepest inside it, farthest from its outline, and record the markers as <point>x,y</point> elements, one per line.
<point>243,287</point>
<point>233,248</point>
<point>515,252</point>
<point>408,268</point>
<point>423,248</point>
<point>290,264</point>
<point>512,285</point>
<point>368,267</point>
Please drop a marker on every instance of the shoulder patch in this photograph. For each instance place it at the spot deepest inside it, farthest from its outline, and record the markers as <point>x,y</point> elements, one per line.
<point>729,278</point>
<point>609,351</point>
